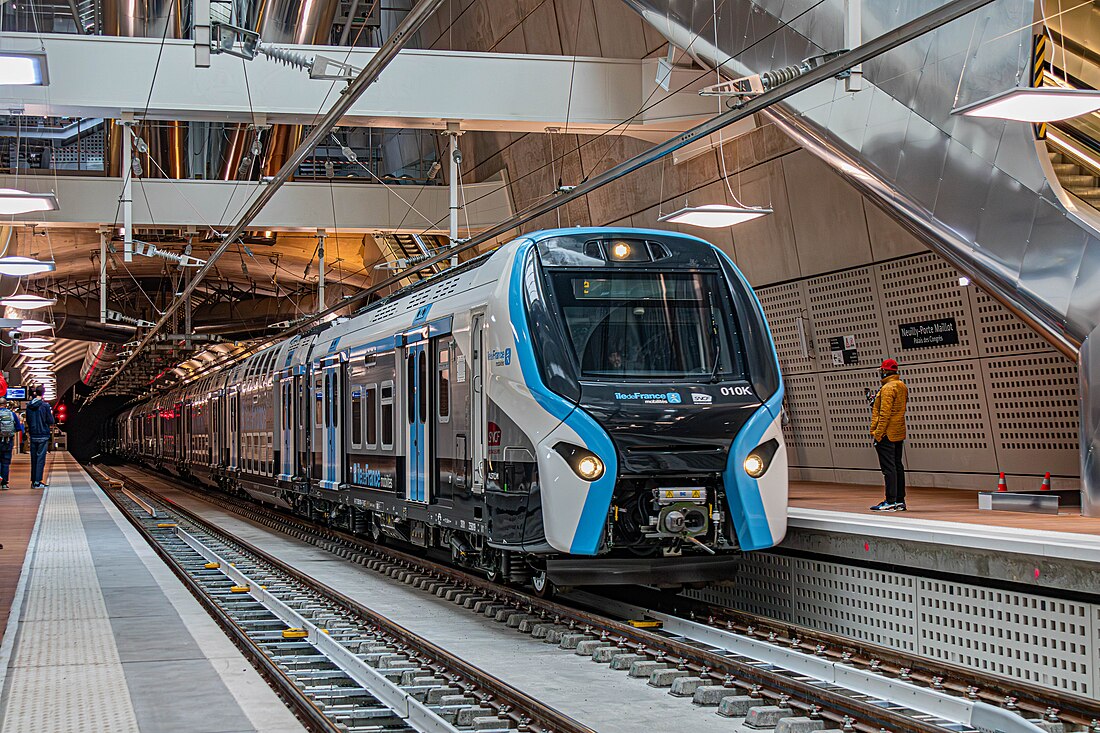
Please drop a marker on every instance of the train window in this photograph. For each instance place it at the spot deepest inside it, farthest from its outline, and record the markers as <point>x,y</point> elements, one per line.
<point>632,324</point>
<point>410,385</point>
<point>335,378</point>
<point>422,368</point>
<point>318,403</point>
<point>328,399</point>
<point>357,416</point>
<point>387,415</point>
<point>372,416</point>
<point>443,384</point>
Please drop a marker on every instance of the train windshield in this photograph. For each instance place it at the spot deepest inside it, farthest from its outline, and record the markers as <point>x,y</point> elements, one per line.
<point>649,325</point>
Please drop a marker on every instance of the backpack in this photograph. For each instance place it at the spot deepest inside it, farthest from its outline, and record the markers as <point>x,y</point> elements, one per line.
<point>7,424</point>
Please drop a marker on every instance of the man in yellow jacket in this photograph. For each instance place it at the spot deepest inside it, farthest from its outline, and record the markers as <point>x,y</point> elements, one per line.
<point>888,431</point>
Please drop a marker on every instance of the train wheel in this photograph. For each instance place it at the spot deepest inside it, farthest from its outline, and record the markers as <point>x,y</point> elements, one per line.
<point>376,534</point>
<point>544,587</point>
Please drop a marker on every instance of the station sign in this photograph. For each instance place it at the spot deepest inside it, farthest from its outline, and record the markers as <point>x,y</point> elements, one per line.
<point>924,334</point>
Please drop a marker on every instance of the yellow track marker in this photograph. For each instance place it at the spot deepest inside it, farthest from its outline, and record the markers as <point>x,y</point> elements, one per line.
<point>212,565</point>
<point>295,633</point>
<point>240,589</point>
<point>645,624</point>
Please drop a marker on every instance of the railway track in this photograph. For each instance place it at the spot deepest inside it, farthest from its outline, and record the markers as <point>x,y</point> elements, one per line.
<point>768,674</point>
<point>341,667</point>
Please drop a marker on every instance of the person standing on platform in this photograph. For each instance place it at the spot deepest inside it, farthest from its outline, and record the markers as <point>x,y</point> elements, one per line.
<point>9,426</point>
<point>39,420</point>
<point>888,431</point>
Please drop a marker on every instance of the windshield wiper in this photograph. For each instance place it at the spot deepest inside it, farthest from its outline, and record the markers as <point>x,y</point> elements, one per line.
<point>716,342</point>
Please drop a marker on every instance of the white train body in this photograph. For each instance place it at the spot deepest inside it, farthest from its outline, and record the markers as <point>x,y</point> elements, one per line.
<point>550,410</point>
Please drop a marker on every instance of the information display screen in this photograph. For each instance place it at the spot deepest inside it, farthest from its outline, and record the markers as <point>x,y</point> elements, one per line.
<point>16,393</point>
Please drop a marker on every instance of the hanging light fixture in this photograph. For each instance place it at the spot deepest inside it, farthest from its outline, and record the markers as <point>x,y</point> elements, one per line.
<point>1034,104</point>
<point>28,302</point>
<point>37,353</point>
<point>715,215</point>
<point>17,266</point>
<point>24,68</point>
<point>36,342</point>
<point>33,326</point>
<point>13,201</point>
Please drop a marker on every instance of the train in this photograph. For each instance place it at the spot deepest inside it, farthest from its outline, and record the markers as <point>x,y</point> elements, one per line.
<point>578,406</point>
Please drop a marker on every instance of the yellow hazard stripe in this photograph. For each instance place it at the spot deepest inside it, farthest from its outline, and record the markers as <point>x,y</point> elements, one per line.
<point>1038,59</point>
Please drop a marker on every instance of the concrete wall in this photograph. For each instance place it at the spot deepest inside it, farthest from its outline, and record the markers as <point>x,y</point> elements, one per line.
<point>1000,400</point>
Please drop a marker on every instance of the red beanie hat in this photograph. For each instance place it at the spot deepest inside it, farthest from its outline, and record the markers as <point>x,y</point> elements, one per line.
<point>889,365</point>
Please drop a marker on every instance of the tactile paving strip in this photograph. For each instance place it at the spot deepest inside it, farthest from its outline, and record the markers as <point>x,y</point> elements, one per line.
<point>65,674</point>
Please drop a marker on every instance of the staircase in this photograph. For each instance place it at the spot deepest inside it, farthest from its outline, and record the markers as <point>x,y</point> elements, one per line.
<point>413,247</point>
<point>1076,179</point>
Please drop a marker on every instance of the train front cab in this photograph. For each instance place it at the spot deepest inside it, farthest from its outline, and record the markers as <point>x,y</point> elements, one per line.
<point>646,378</point>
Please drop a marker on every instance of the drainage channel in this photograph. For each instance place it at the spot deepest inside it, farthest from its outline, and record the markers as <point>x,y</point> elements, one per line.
<point>340,666</point>
<point>789,691</point>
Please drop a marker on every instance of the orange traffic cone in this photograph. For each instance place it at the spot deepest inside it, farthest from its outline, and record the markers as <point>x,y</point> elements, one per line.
<point>1046,483</point>
<point>1001,485</point>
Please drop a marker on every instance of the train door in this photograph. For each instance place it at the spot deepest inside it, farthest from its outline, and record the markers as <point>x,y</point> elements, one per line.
<point>317,418</point>
<point>217,429</point>
<point>233,427</point>
<point>302,414</point>
<point>417,434</point>
<point>285,425</point>
<point>477,401</point>
<point>333,440</point>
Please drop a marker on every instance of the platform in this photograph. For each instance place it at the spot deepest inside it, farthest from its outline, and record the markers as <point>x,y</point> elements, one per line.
<point>18,511</point>
<point>103,637</point>
<point>1059,552</point>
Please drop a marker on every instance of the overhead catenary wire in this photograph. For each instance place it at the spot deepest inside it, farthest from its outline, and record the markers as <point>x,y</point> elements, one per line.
<point>842,62</point>
<point>370,73</point>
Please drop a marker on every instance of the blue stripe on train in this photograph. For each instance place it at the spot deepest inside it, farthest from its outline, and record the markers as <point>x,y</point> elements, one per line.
<point>597,503</point>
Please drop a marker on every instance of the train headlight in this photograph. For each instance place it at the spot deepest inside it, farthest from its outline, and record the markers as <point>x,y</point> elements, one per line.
<point>760,458</point>
<point>755,466</point>
<point>589,468</point>
<point>586,464</point>
<point>620,250</point>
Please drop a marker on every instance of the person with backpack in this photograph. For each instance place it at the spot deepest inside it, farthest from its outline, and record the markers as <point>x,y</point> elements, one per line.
<point>9,426</point>
<point>39,420</point>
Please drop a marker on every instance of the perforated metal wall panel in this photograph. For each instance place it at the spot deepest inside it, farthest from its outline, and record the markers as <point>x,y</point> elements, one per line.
<point>1035,412</point>
<point>1021,636</point>
<point>806,432</point>
<point>999,400</point>
<point>1000,332</point>
<point>1041,641</point>
<point>838,598</point>
<point>849,415</point>
<point>845,304</point>
<point>765,586</point>
<point>947,420</point>
<point>916,289</point>
<point>784,305</point>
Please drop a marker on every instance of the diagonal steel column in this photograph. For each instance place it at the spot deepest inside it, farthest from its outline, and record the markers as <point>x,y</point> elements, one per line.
<point>887,41</point>
<point>370,73</point>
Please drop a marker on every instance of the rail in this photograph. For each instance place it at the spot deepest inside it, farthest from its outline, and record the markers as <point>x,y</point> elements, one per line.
<point>953,693</point>
<point>334,660</point>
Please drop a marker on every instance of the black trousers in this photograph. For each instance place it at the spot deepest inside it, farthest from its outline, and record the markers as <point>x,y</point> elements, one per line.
<point>893,470</point>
